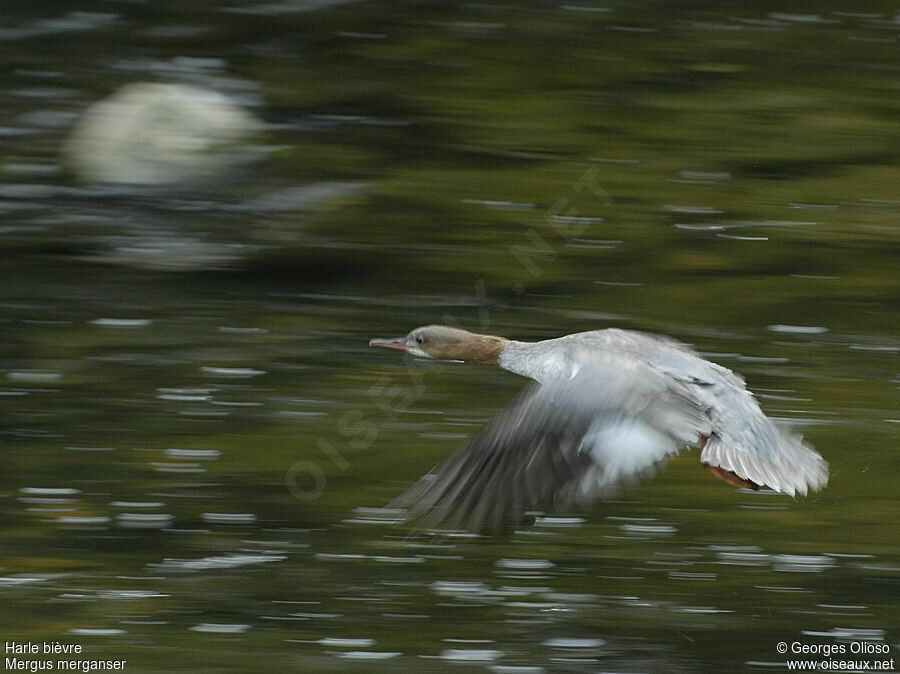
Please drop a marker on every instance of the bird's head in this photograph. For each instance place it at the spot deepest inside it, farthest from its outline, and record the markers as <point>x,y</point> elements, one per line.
<point>442,342</point>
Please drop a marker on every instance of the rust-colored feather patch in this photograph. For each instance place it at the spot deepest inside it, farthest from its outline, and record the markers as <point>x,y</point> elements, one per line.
<point>730,477</point>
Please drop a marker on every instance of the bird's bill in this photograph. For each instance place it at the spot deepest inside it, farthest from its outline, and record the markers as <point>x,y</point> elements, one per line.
<point>399,344</point>
<point>396,343</point>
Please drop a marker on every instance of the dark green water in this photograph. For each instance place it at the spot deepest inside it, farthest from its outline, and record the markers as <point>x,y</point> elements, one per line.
<point>191,416</point>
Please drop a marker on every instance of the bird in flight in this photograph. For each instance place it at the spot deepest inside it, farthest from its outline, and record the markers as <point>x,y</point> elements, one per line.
<point>604,408</point>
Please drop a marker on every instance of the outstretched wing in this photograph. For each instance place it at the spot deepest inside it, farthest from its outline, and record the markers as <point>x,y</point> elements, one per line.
<point>771,456</point>
<point>743,440</point>
<point>566,441</point>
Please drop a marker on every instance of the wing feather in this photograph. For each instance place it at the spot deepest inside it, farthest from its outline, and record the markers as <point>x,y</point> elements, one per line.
<point>564,442</point>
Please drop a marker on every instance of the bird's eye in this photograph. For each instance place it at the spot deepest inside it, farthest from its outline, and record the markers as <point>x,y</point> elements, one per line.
<point>420,339</point>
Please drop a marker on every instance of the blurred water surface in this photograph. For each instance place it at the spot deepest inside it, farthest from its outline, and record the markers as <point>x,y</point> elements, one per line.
<point>193,426</point>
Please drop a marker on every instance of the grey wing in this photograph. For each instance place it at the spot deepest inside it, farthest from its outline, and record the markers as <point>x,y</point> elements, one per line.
<point>566,441</point>
<point>743,439</point>
<point>746,442</point>
<point>752,446</point>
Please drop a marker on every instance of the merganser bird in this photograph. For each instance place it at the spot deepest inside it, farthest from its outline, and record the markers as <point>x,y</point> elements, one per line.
<point>607,406</point>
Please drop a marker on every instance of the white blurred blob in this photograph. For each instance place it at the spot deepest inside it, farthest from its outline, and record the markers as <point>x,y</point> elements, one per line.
<point>216,628</point>
<point>158,134</point>
<point>470,655</point>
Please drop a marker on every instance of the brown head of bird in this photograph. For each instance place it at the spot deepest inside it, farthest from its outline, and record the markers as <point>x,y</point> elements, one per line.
<point>445,343</point>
